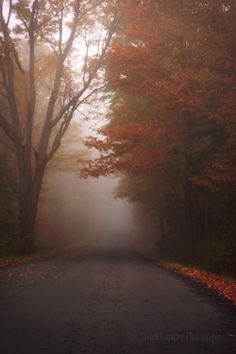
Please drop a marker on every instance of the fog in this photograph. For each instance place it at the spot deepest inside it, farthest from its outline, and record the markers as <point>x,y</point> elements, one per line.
<point>84,213</point>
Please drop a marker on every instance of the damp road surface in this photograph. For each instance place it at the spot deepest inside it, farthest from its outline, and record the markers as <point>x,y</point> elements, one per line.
<point>109,303</point>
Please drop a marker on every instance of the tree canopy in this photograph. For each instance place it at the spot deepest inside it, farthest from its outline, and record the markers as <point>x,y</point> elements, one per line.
<point>172,130</point>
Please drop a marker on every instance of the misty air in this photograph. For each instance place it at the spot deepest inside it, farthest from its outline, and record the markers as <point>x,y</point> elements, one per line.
<point>117,176</point>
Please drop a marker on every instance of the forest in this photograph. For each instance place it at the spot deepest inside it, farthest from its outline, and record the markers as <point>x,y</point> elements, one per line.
<point>166,73</point>
<point>171,68</point>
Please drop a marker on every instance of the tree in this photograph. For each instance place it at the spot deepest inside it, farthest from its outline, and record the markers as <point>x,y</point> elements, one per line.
<point>35,134</point>
<point>8,207</point>
<point>172,71</point>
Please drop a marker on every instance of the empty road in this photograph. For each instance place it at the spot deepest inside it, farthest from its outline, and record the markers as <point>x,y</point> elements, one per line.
<point>108,303</point>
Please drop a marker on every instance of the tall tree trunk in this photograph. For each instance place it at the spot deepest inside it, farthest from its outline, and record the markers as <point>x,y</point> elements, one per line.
<point>28,203</point>
<point>26,226</point>
<point>188,186</point>
<point>188,208</point>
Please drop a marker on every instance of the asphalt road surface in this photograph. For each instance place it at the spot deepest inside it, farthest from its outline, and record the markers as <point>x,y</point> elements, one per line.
<point>109,303</point>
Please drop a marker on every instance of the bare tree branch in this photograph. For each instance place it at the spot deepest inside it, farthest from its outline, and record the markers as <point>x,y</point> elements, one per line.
<point>8,129</point>
<point>75,99</point>
<point>23,20</point>
<point>57,81</point>
<point>86,56</point>
<point>9,12</point>
<point>7,48</point>
<point>60,20</point>
<point>8,146</point>
<point>91,93</point>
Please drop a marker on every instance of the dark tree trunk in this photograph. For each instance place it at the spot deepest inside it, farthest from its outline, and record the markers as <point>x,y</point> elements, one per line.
<point>188,186</point>
<point>189,231</point>
<point>27,216</point>
<point>29,190</point>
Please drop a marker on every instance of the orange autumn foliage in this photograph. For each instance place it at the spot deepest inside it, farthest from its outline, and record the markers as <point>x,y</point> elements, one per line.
<point>225,287</point>
<point>171,67</point>
<point>159,54</point>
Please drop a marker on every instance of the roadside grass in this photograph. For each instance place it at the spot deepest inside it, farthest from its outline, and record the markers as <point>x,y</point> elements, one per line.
<point>40,254</point>
<point>224,285</point>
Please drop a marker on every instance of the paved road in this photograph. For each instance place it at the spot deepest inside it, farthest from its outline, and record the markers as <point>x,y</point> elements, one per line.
<point>108,303</point>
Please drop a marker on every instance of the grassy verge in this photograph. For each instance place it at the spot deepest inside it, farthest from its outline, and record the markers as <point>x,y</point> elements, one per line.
<point>39,255</point>
<point>223,285</point>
